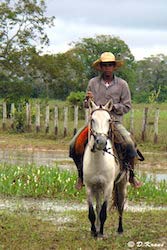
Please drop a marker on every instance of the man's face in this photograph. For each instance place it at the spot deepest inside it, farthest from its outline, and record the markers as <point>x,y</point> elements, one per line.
<point>107,67</point>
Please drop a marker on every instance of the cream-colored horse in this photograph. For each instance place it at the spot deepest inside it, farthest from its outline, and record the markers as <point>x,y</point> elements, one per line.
<point>101,168</point>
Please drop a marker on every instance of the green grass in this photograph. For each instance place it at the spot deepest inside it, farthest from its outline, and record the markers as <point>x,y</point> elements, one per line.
<point>43,181</point>
<point>20,231</point>
<point>32,181</point>
<point>151,192</point>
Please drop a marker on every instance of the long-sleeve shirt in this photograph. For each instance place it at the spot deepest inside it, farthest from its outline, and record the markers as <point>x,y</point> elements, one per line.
<point>117,90</point>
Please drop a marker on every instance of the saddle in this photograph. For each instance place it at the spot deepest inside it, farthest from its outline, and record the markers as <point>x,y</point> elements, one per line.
<point>119,143</point>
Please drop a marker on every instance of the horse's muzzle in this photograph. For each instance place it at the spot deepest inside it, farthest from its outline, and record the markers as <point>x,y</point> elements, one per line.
<point>100,142</point>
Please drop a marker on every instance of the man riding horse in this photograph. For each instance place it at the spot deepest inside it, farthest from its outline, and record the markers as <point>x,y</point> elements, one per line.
<point>101,89</point>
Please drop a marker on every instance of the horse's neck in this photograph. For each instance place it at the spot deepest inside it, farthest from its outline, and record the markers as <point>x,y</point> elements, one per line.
<point>96,159</point>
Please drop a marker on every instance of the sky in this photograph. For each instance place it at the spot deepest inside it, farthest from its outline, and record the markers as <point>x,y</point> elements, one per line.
<point>141,24</point>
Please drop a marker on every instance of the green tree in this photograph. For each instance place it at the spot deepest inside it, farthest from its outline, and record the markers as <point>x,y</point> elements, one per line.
<point>92,48</point>
<point>22,28</point>
<point>73,69</point>
<point>55,75</point>
<point>152,79</point>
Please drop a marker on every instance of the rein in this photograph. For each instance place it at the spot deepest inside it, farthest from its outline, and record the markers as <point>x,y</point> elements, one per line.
<point>122,172</point>
<point>101,109</point>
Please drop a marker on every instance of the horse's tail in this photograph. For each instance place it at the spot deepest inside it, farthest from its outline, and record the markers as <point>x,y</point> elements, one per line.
<point>118,194</point>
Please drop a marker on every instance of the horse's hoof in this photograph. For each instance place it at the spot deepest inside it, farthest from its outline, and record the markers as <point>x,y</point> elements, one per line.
<point>94,234</point>
<point>102,236</point>
<point>120,232</point>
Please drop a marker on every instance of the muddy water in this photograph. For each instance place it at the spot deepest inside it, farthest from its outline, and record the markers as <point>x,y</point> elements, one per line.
<point>155,165</point>
<point>29,204</point>
<point>39,157</point>
<point>57,212</point>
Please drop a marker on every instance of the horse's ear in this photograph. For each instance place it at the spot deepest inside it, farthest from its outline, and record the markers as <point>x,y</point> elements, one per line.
<point>92,105</point>
<point>109,105</point>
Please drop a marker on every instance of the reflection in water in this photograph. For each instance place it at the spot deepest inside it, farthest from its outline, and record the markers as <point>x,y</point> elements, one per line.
<point>38,157</point>
<point>60,206</point>
<point>155,164</point>
<point>159,176</point>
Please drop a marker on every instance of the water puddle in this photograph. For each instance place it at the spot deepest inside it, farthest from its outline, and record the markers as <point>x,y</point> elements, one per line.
<point>155,164</point>
<point>38,157</point>
<point>49,157</point>
<point>28,204</point>
<point>58,212</point>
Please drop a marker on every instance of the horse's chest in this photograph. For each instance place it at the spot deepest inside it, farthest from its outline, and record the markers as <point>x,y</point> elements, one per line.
<point>99,165</point>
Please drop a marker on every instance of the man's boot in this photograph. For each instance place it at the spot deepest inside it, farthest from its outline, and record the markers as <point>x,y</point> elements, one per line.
<point>132,179</point>
<point>77,147</point>
<point>79,163</point>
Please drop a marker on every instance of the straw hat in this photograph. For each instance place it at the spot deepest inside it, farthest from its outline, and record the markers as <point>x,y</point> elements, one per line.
<point>107,57</point>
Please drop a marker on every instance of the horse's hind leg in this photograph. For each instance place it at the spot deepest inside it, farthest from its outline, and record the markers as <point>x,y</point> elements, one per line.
<point>120,227</point>
<point>120,207</point>
<point>98,208</point>
<point>120,191</point>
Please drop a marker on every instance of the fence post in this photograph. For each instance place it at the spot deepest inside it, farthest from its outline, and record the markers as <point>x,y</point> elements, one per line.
<point>144,125</point>
<point>132,121</point>
<point>4,116</point>
<point>75,119</point>
<point>47,120</point>
<point>28,116</point>
<point>156,125</point>
<point>12,114</point>
<point>65,120</point>
<point>37,122</point>
<point>56,120</point>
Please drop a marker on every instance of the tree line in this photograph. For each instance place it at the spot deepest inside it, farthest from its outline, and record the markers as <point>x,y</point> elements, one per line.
<point>27,73</point>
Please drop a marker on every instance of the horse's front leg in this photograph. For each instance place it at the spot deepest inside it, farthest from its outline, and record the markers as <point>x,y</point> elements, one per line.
<point>91,215</point>
<point>103,217</point>
<point>92,218</point>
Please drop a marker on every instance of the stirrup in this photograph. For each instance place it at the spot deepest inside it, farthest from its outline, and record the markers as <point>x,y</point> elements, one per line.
<point>140,156</point>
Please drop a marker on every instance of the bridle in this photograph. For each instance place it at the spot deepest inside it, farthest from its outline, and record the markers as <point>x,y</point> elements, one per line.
<point>96,134</point>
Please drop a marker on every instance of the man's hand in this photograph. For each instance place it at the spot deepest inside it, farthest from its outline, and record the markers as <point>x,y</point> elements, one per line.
<point>89,96</point>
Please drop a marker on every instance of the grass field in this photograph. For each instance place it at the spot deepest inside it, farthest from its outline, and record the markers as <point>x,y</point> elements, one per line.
<point>20,231</point>
<point>28,230</point>
<point>36,229</point>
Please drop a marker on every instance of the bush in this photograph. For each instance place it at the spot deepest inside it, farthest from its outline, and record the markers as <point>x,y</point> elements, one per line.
<point>76,98</point>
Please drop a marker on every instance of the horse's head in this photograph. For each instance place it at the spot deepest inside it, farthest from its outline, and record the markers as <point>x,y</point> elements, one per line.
<point>100,121</point>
